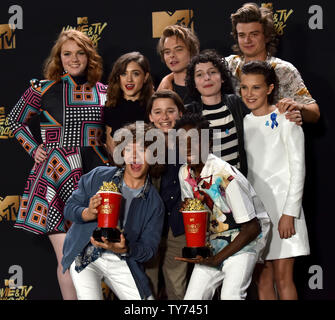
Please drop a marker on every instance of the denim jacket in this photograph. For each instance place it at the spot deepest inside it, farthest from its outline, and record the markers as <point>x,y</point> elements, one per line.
<point>142,230</point>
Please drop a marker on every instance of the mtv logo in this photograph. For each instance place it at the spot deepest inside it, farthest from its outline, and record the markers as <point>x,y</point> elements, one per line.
<point>268,5</point>
<point>9,207</point>
<point>82,20</point>
<point>7,37</point>
<point>5,132</point>
<point>9,282</point>
<point>162,19</point>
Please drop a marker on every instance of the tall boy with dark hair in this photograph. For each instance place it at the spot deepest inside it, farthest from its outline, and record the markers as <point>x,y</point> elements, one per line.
<point>255,36</point>
<point>176,47</point>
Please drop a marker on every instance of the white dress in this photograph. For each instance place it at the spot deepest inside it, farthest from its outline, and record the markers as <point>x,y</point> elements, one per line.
<point>276,170</point>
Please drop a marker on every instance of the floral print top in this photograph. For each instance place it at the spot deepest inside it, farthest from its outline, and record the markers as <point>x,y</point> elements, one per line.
<point>290,85</point>
<point>230,201</point>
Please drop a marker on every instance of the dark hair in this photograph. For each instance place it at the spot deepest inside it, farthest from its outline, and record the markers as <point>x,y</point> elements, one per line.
<point>156,169</point>
<point>114,92</point>
<point>251,12</point>
<point>183,33</point>
<point>166,94</point>
<point>264,68</point>
<point>209,55</point>
<point>196,121</point>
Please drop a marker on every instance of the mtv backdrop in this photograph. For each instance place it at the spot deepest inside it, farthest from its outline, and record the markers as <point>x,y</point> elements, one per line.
<point>27,33</point>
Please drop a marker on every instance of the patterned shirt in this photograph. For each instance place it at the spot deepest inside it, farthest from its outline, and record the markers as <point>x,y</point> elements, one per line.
<point>225,142</point>
<point>71,114</point>
<point>230,200</point>
<point>290,85</point>
<point>92,253</point>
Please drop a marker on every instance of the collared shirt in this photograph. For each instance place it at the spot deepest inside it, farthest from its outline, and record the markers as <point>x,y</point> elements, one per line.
<point>142,230</point>
<point>290,83</point>
<point>230,201</point>
<point>92,253</point>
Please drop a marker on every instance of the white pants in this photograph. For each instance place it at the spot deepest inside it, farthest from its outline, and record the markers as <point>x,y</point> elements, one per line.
<point>115,273</point>
<point>235,277</point>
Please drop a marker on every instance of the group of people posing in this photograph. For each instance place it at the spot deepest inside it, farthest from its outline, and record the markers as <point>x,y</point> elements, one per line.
<point>250,180</point>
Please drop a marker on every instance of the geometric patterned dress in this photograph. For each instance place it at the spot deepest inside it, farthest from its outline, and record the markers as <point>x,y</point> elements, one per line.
<point>71,123</point>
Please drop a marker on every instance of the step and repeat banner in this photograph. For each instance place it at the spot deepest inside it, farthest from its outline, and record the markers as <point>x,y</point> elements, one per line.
<point>27,33</point>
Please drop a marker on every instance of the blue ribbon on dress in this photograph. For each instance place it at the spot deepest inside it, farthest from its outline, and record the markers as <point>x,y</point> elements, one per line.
<point>274,121</point>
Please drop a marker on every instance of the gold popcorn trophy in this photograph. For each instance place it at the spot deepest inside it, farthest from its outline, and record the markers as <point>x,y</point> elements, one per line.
<point>195,223</point>
<point>108,213</point>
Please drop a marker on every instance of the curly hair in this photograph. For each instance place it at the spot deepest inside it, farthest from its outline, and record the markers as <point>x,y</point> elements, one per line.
<point>53,67</point>
<point>219,62</point>
<point>185,34</point>
<point>114,91</point>
<point>196,121</point>
<point>251,12</point>
<point>265,69</point>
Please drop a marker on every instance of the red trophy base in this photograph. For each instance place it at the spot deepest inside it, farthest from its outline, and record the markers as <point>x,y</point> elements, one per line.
<point>195,223</point>
<point>108,216</point>
<point>111,234</point>
<point>192,252</point>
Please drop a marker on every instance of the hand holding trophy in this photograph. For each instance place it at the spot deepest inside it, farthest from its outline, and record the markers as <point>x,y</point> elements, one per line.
<point>195,222</point>
<point>108,213</point>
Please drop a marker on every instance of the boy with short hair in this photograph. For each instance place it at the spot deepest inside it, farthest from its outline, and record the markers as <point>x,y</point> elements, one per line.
<point>176,47</point>
<point>141,220</point>
<point>238,222</point>
<point>256,39</point>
